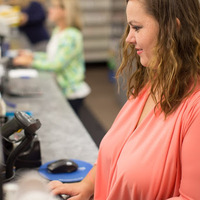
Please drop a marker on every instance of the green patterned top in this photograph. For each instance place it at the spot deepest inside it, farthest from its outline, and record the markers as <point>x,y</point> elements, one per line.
<point>64,56</point>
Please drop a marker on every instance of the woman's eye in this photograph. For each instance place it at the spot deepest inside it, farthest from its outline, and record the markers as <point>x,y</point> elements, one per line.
<point>136,28</point>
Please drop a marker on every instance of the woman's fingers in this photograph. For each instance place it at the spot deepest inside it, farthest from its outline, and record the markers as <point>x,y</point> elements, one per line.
<point>76,191</point>
<point>54,184</point>
<point>58,187</point>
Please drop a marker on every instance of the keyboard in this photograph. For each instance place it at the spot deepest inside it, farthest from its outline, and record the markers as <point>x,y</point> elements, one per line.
<point>25,86</point>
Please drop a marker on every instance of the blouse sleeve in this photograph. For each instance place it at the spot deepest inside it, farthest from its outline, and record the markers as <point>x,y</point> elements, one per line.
<point>190,160</point>
<point>67,49</point>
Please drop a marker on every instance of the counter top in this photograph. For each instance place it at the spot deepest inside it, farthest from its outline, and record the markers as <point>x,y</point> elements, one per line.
<point>62,135</point>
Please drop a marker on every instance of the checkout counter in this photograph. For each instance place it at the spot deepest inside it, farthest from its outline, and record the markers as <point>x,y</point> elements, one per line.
<point>62,134</point>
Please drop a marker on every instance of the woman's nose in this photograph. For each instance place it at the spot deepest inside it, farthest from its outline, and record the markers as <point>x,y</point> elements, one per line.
<point>131,37</point>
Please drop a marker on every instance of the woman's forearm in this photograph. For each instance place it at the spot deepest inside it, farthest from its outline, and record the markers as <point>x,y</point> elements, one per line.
<point>90,180</point>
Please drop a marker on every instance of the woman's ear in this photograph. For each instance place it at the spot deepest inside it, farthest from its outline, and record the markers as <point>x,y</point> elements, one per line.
<point>178,23</point>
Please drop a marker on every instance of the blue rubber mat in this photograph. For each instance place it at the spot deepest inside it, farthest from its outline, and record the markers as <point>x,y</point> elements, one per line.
<point>76,176</point>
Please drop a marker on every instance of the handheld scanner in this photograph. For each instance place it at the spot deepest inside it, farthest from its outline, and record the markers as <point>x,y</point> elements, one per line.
<point>21,120</point>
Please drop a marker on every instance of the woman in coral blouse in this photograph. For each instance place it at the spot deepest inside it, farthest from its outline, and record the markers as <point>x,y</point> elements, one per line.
<point>152,150</point>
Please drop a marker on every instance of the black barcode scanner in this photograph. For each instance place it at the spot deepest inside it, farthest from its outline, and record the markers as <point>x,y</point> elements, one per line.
<point>20,121</point>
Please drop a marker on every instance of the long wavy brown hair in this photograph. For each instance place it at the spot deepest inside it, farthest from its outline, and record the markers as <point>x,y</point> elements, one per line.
<point>175,68</point>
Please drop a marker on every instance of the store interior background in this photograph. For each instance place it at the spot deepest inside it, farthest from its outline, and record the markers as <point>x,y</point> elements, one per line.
<point>104,23</point>
<point>103,26</point>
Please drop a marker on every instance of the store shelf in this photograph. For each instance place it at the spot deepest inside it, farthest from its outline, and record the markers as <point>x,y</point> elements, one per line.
<point>118,23</point>
<point>97,29</point>
<point>96,56</point>
<point>102,31</point>
<point>104,23</point>
<point>95,4</point>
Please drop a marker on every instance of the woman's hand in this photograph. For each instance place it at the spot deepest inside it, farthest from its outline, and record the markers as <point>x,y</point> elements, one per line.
<point>77,191</point>
<point>23,59</point>
<point>23,19</point>
<point>83,190</point>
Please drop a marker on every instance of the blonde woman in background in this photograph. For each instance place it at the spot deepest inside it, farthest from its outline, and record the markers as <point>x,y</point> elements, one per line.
<point>64,54</point>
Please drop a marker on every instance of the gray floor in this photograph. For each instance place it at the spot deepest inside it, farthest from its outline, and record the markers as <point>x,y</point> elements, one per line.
<point>103,100</point>
<point>102,105</point>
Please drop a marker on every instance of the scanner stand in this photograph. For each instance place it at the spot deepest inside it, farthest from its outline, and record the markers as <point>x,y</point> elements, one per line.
<point>27,152</point>
<point>14,157</point>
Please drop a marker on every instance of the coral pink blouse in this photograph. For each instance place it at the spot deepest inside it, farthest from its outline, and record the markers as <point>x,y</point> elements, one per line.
<point>158,160</point>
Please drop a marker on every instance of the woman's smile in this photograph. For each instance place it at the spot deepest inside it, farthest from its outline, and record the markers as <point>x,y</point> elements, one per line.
<point>139,51</point>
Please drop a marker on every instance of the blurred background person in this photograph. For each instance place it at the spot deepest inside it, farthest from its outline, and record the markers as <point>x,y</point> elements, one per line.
<point>64,54</point>
<point>32,24</point>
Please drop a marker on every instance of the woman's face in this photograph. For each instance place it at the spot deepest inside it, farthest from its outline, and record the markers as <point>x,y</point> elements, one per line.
<point>143,32</point>
<point>56,12</point>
